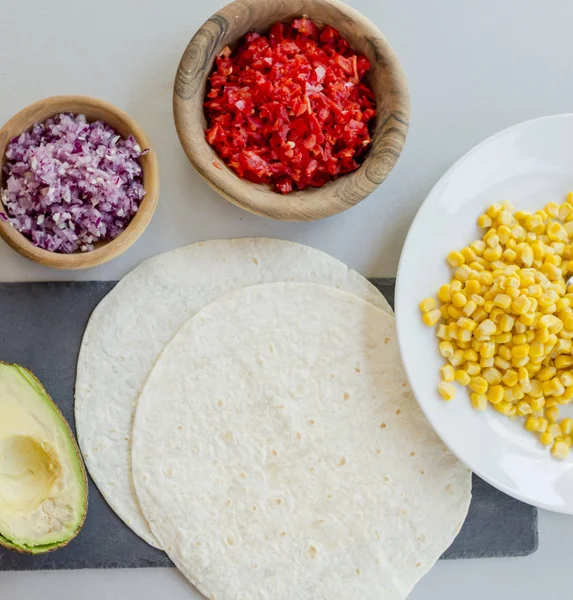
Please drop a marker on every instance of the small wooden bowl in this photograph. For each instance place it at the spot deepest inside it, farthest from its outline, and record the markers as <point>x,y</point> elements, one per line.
<point>94,110</point>
<point>225,28</point>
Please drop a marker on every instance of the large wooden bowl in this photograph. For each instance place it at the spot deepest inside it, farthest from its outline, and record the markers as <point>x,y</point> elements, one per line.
<point>225,28</point>
<point>94,110</point>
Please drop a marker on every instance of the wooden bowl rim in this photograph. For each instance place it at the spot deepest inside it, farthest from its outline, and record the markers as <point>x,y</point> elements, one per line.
<point>106,251</point>
<point>299,205</point>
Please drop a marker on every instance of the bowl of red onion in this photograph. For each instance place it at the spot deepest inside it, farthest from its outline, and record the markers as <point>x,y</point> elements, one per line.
<point>79,182</point>
<point>292,109</point>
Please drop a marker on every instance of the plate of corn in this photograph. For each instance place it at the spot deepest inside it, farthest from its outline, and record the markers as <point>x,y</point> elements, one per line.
<point>484,310</point>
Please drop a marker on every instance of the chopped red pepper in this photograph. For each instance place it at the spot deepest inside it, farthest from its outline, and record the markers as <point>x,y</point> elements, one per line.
<point>290,108</point>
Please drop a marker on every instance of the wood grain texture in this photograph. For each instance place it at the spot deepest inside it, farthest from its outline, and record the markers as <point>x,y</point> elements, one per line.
<point>93,109</point>
<point>225,28</point>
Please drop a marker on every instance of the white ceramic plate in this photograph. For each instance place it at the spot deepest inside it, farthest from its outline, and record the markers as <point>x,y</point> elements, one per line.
<point>529,164</point>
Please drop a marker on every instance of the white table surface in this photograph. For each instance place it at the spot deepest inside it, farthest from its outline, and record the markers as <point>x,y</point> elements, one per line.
<point>473,67</point>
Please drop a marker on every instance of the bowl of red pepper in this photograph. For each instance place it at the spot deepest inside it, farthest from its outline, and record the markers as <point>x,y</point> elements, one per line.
<point>293,109</point>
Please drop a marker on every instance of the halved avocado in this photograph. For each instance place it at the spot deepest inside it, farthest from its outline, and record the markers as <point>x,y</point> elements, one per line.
<point>43,484</point>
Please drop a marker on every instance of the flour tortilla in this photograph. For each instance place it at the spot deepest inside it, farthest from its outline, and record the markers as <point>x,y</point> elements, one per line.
<point>278,452</point>
<point>133,323</point>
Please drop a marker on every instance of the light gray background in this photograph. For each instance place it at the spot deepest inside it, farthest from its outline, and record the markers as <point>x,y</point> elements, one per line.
<point>474,67</point>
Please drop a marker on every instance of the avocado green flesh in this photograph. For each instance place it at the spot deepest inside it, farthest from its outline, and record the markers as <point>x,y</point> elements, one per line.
<point>43,488</point>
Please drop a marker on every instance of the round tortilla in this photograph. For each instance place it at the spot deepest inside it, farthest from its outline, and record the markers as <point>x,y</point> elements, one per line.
<point>278,452</point>
<point>133,323</point>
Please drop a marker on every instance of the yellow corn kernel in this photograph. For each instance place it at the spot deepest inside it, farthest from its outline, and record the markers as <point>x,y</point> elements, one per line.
<point>552,209</point>
<point>464,345</point>
<point>554,429</point>
<point>542,335</point>
<point>457,359</point>
<point>563,362</point>
<point>536,349</point>
<point>447,390</point>
<point>466,323</point>
<point>486,363</point>
<point>567,439</point>
<point>508,255</point>
<point>492,375</point>
<point>505,408</point>
<point>473,369</point>
<point>566,426</point>
<point>501,363</point>
<point>468,254</point>
<point>479,315</point>
<point>495,315</point>
<point>491,238</point>
<point>487,350</point>
<point>495,394</point>
<point>462,377</point>
<point>512,292</point>
<point>567,378</point>
<point>503,338</point>
<point>568,322</point>
<point>503,301</point>
<point>427,304</point>
<point>479,246</point>
<point>453,330</point>
<point>493,254</point>
<point>524,408</point>
<point>469,308</point>
<point>524,380</point>
<point>546,373</point>
<point>442,332</point>
<point>470,355</point>
<point>528,320</point>
<point>494,210</point>
<point>453,312</point>
<point>444,311</point>
<point>532,423</point>
<point>543,425</point>
<point>552,414</point>
<point>479,300</point>
<point>564,346</point>
<point>556,232</point>
<point>484,221</point>
<point>521,305</point>
<point>479,385</point>
<point>479,401</point>
<point>562,304</point>
<point>444,293</point>
<point>459,300</point>
<point>463,273</point>
<point>447,372</point>
<point>456,259</point>
<point>446,349</point>
<point>536,388</point>
<point>465,335</point>
<point>560,450</point>
<point>553,387</point>
<point>510,377</point>
<point>485,277</point>
<point>519,362</point>
<point>520,351</point>
<point>432,317</point>
<point>517,392</point>
<point>504,352</point>
<point>537,403</point>
<point>486,327</point>
<point>567,395</point>
<point>455,286</point>
<point>503,220</point>
<point>546,439</point>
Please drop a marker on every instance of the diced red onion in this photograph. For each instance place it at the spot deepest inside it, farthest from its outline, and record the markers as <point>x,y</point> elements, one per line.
<point>70,183</point>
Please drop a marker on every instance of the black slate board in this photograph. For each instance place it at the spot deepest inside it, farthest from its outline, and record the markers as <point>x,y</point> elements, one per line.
<point>41,325</point>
